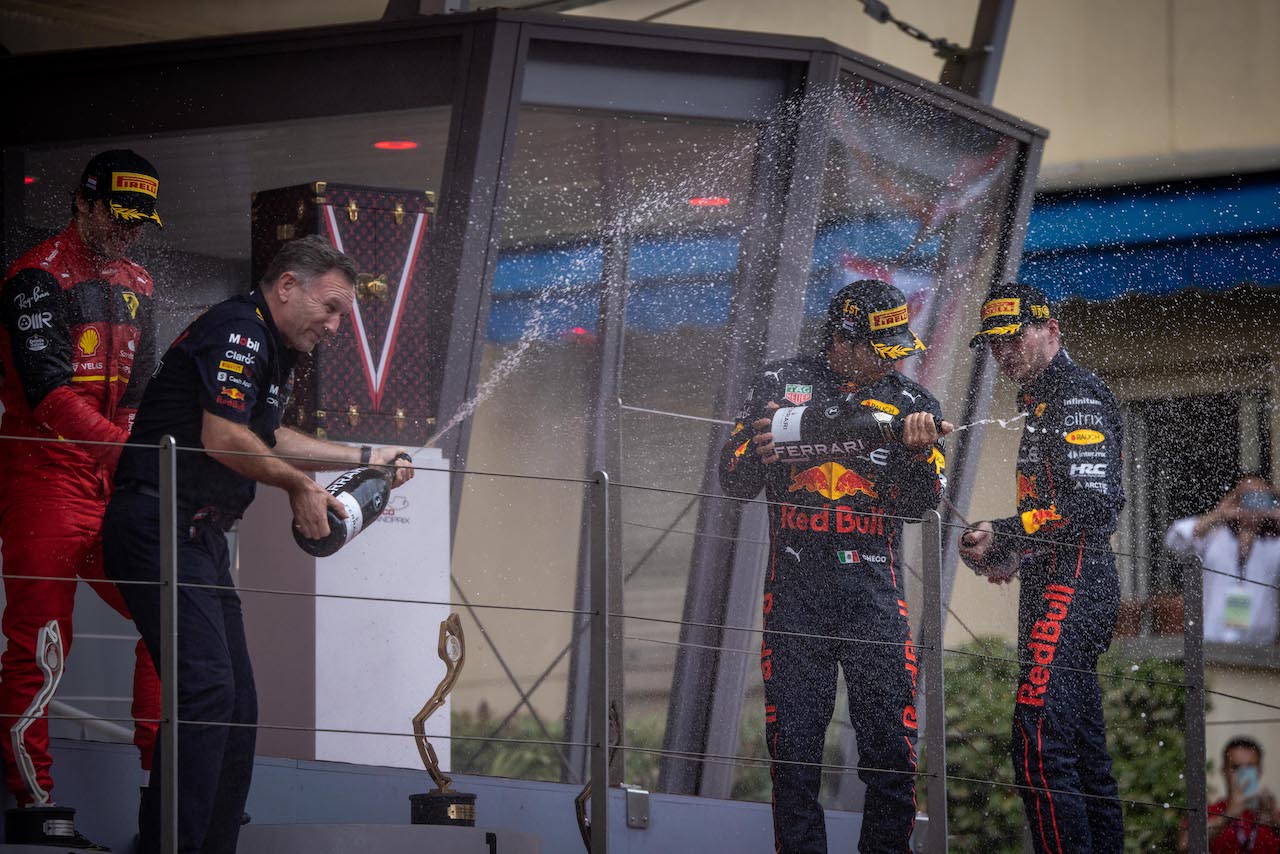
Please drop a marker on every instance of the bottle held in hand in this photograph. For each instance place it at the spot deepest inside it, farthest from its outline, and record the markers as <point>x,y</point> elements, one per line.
<point>363,492</point>
<point>802,433</point>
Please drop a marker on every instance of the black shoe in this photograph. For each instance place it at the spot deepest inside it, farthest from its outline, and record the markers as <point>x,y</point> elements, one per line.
<point>49,824</point>
<point>75,841</point>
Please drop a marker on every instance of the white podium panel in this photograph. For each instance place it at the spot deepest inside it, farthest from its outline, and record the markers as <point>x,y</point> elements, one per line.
<point>328,662</point>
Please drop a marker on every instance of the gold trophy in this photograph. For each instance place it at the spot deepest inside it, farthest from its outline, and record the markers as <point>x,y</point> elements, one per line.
<point>442,805</point>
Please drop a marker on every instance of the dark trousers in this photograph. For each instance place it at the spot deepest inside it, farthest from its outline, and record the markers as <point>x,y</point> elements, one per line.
<point>215,677</point>
<point>1067,613</point>
<point>800,689</point>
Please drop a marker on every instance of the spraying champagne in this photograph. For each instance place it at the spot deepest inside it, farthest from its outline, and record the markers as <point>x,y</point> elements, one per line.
<point>363,492</point>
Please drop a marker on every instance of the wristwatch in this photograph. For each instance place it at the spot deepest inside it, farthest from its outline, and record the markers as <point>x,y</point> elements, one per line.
<point>365,452</point>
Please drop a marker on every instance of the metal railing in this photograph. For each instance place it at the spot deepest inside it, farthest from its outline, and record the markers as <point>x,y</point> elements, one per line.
<point>601,569</point>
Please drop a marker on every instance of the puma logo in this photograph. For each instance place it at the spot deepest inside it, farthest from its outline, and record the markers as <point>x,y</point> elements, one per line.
<point>777,375</point>
<point>909,395</point>
<point>795,554</point>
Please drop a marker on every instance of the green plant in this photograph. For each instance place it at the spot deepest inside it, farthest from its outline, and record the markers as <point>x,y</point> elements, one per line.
<point>1144,734</point>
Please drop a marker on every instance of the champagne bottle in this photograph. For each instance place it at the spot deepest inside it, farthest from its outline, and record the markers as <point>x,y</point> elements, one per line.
<point>803,433</point>
<point>363,492</point>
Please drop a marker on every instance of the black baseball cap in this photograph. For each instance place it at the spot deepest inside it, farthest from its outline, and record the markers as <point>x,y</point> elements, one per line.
<point>126,182</point>
<point>874,311</point>
<point>1007,309</point>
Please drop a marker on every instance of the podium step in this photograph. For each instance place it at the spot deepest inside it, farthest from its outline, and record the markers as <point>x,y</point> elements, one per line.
<point>383,838</point>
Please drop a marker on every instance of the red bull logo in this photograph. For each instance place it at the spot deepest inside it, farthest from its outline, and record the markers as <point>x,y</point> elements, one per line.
<point>1034,520</point>
<point>233,393</point>
<point>909,663</point>
<point>833,481</point>
<point>1026,487</point>
<point>840,519</point>
<point>1043,645</point>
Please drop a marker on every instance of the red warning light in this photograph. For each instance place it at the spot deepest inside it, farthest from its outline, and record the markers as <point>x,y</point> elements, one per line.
<point>709,201</point>
<point>29,179</point>
<point>578,335</point>
<point>395,145</point>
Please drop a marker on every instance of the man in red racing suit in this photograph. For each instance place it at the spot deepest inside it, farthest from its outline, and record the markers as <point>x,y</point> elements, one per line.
<point>835,576</point>
<point>76,347</point>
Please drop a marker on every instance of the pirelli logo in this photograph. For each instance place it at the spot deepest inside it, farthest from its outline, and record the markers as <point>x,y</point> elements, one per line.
<point>134,182</point>
<point>992,308</point>
<point>888,318</point>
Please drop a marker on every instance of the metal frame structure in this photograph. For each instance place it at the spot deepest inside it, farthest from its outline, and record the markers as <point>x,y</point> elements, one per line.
<point>487,65</point>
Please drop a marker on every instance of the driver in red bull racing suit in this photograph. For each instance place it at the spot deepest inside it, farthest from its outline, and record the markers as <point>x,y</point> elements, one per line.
<point>1069,496</point>
<point>835,570</point>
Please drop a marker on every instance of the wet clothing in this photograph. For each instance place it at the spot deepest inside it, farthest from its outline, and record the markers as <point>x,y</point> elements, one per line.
<point>76,348</point>
<point>231,362</point>
<point>834,571</point>
<point>1069,496</point>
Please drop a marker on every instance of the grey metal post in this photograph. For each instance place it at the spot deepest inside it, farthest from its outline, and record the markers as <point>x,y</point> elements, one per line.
<point>935,716</point>
<point>169,644</point>
<point>599,671</point>
<point>1193,677</point>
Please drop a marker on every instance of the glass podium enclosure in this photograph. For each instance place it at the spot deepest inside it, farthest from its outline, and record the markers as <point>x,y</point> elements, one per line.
<point>631,219</point>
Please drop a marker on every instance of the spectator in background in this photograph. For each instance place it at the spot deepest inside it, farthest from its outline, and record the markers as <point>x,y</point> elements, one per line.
<point>1238,542</point>
<point>1246,819</point>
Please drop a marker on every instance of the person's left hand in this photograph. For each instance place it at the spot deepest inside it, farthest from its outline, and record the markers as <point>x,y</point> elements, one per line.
<point>919,430</point>
<point>387,457</point>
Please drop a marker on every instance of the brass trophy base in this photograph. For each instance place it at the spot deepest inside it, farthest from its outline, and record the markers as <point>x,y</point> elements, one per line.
<point>455,809</point>
<point>47,825</point>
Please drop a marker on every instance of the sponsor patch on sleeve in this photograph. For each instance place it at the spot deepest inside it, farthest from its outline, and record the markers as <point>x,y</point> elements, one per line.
<point>1085,437</point>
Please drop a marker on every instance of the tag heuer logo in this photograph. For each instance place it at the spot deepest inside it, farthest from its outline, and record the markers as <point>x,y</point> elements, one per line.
<point>847,557</point>
<point>798,394</point>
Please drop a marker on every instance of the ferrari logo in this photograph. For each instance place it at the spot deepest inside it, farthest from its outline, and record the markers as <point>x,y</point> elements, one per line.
<point>131,300</point>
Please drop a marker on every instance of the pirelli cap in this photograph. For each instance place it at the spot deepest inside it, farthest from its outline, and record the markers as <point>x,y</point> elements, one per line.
<point>1007,308</point>
<point>126,182</point>
<point>874,311</point>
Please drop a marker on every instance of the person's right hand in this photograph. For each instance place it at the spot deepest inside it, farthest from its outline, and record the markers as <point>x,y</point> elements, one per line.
<point>310,503</point>
<point>975,543</point>
<point>763,439</point>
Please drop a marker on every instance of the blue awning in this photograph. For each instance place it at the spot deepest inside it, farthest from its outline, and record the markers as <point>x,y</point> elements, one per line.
<point>1212,235</point>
